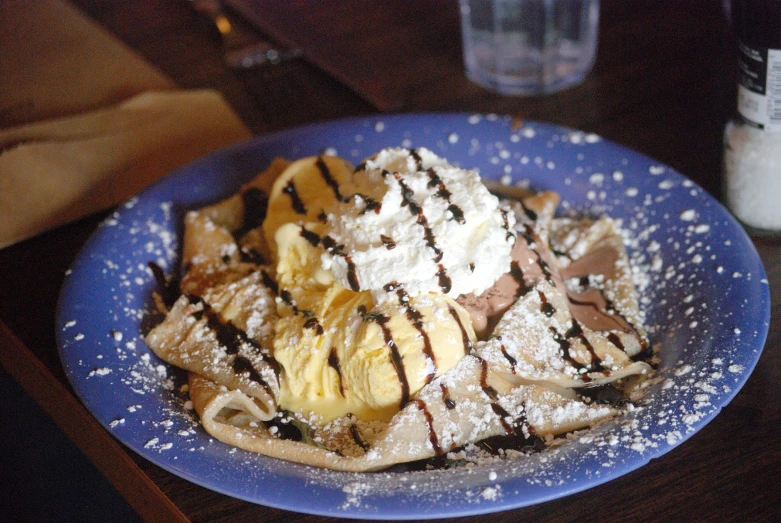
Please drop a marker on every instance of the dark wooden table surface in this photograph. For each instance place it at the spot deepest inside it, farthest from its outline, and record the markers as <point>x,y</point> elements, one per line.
<point>663,84</point>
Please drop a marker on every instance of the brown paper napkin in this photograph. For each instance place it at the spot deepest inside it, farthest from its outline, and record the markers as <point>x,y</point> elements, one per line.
<point>67,168</point>
<point>85,123</point>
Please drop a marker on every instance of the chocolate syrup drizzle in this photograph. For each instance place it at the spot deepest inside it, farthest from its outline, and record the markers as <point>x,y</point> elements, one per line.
<point>311,321</point>
<point>416,319</point>
<point>395,357</point>
<point>295,199</point>
<point>443,280</point>
<point>417,211</point>
<point>269,282</point>
<point>357,438</point>
<point>251,255</point>
<point>576,332</point>
<point>546,308</point>
<point>312,237</point>
<point>517,273</point>
<point>515,441</point>
<point>432,434</point>
<point>445,283</point>
<point>528,212</point>
<point>371,205</point>
<point>506,226</point>
<point>615,340</point>
<point>338,250</point>
<point>331,246</point>
<point>418,160</point>
<point>168,289</point>
<point>242,365</point>
<point>388,242</point>
<point>494,397</point>
<point>233,339</point>
<point>512,361</point>
<point>545,268</point>
<point>527,234</point>
<point>333,362</point>
<point>562,254</point>
<point>352,276</point>
<point>255,204</point>
<point>515,437</point>
<point>449,403</point>
<point>464,335</point>
<point>564,345</point>
<point>435,181</point>
<point>607,394</point>
<point>457,213</point>
<point>286,429</point>
<point>325,172</point>
<point>334,250</point>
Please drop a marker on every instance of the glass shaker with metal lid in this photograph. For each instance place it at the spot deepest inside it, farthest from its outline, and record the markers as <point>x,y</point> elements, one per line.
<point>752,140</point>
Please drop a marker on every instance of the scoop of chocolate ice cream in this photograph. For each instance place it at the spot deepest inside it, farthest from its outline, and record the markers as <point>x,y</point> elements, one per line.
<point>532,261</point>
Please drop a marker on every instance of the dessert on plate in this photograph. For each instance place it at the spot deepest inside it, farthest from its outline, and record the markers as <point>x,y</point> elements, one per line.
<point>356,318</point>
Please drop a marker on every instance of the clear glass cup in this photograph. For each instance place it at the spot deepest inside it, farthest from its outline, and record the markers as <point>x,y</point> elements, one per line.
<point>529,47</point>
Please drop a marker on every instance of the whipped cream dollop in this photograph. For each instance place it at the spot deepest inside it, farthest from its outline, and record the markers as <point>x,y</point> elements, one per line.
<point>416,224</point>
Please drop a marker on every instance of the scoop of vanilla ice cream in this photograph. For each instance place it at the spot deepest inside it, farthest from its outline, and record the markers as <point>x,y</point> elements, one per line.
<point>341,353</point>
<point>384,375</point>
<point>414,221</point>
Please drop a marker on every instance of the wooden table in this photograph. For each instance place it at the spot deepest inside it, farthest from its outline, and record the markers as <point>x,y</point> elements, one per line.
<point>663,84</point>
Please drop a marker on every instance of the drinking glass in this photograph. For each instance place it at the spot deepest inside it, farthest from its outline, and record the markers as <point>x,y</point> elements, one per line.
<point>529,47</point>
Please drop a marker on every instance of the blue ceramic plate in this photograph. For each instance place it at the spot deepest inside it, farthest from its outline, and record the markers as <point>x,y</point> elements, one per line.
<point>706,299</point>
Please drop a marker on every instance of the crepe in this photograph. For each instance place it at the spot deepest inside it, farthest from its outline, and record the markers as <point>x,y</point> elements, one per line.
<point>520,382</point>
<point>569,337</point>
<point>467,404</point>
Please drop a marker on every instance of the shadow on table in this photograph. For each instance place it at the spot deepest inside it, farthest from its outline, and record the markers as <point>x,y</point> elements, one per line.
<point>43,475</point>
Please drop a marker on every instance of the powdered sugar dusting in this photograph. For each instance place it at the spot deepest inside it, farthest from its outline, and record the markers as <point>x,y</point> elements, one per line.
<point>682,246</point>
